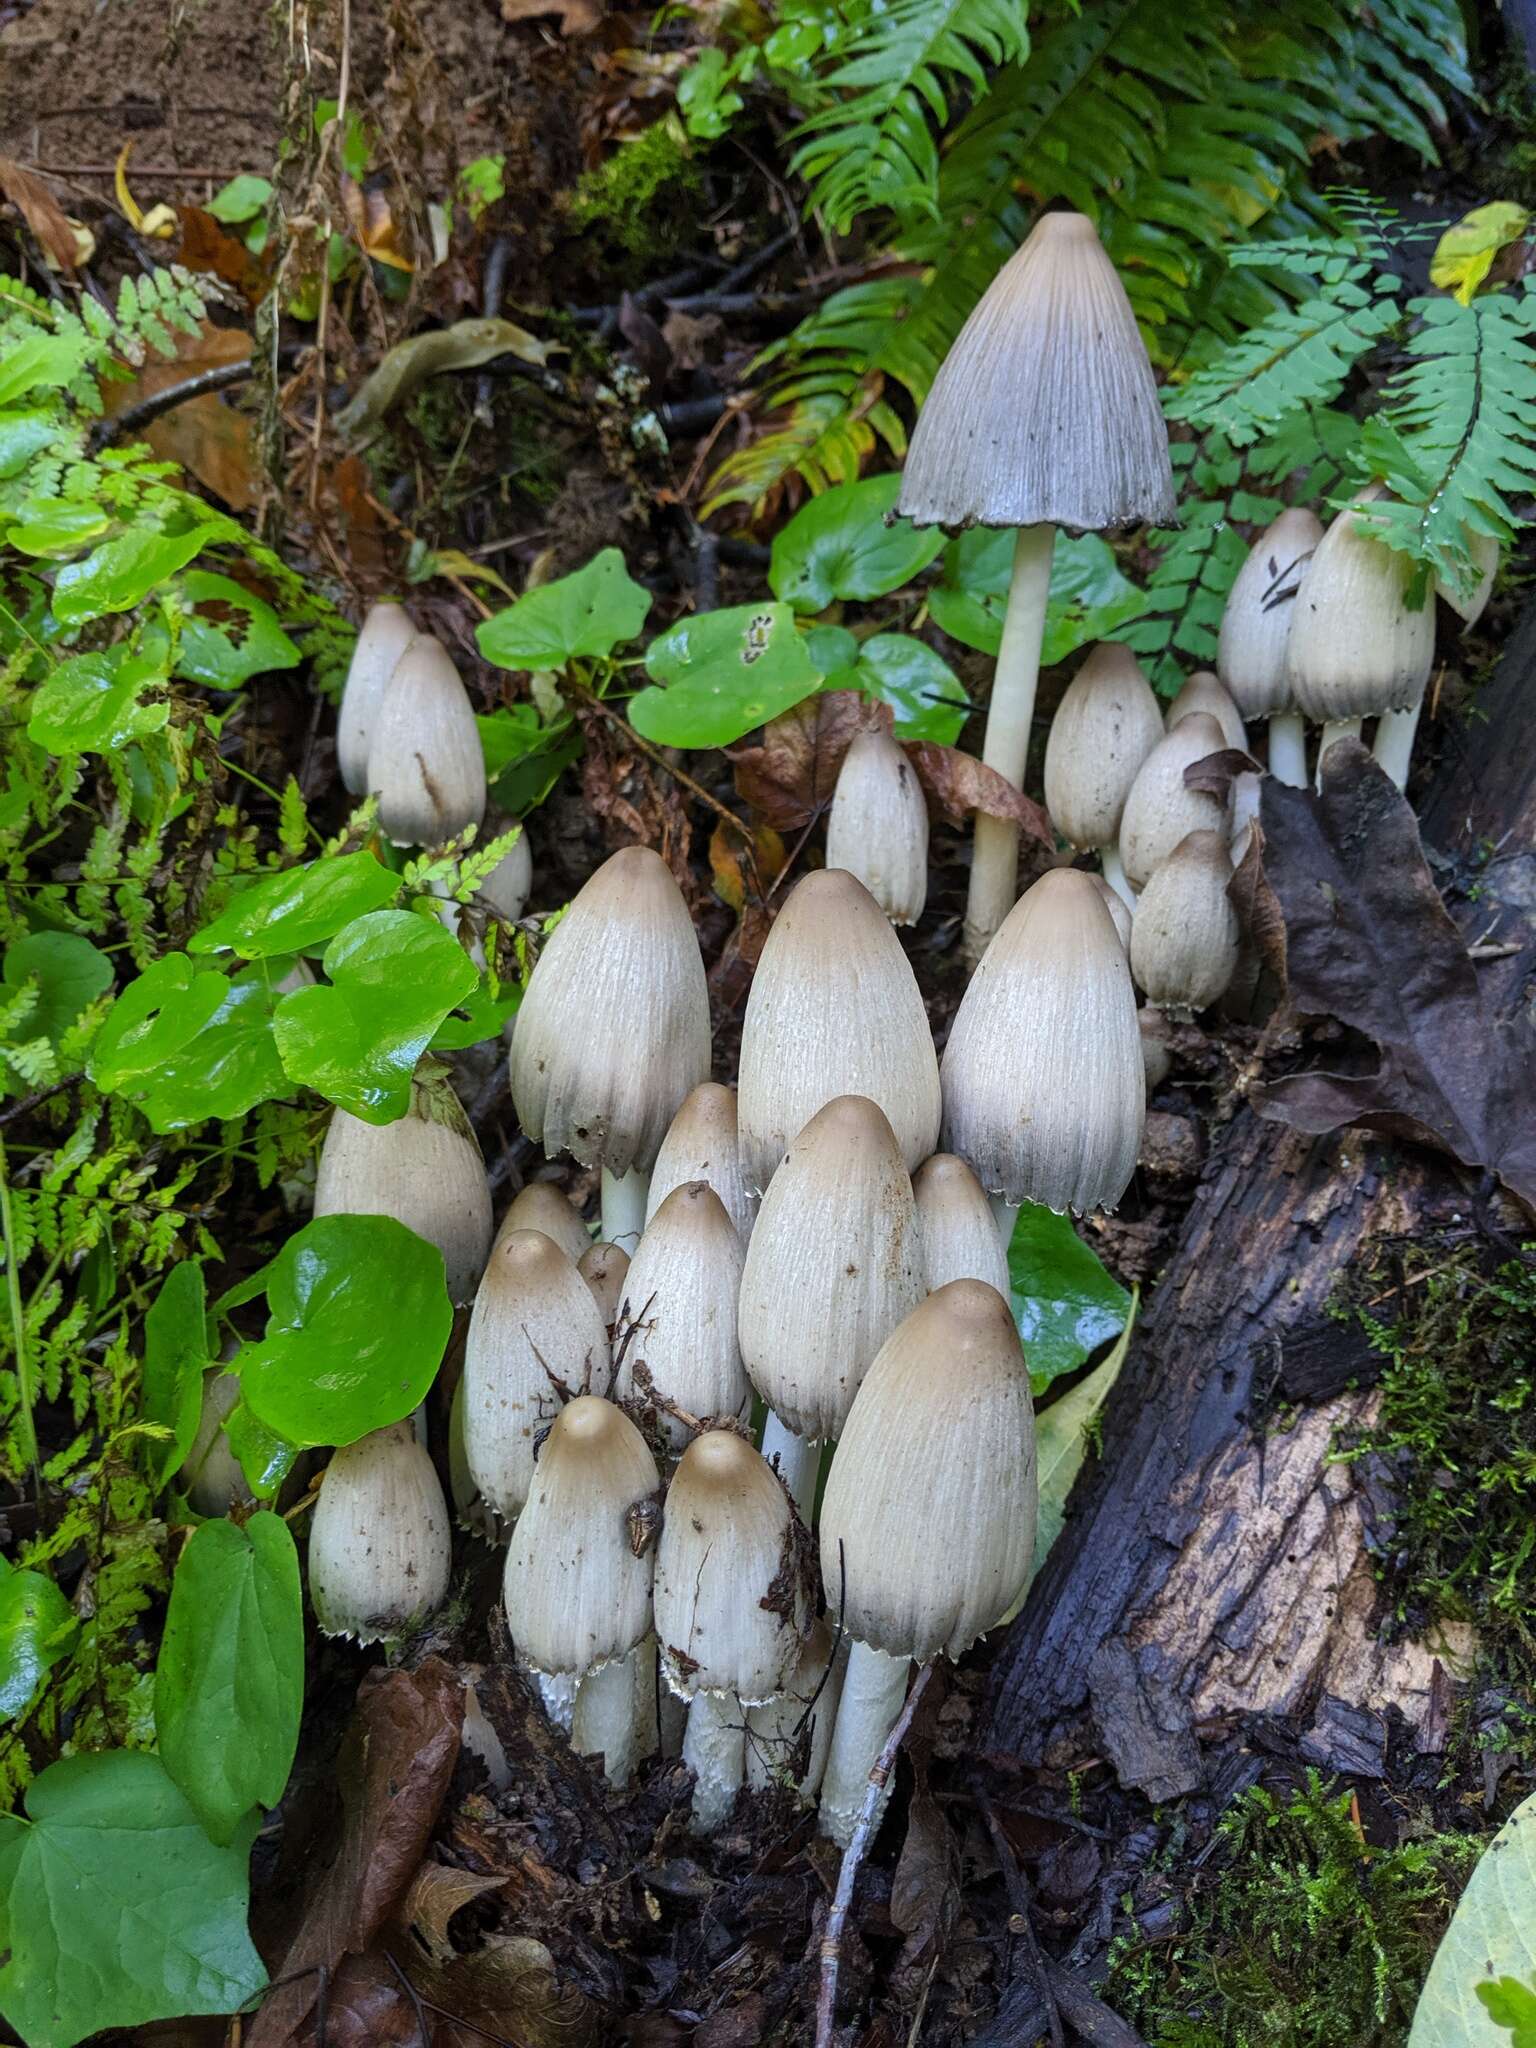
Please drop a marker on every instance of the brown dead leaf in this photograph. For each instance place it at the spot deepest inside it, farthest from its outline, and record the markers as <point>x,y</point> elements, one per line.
<point>41,212</point>
<point>1258,907</point>
<point>207,246</point>
<point>1216,773</point>
<point>691,340</point>
<point>207,435</point>
<point>510,1986</point>
<point>789,776</point>
<point>577,17</point>
<point>959,785</point>
<point>372,220</point>
<point>364,535</point>
<point>436,1894</point>
<point>365,2007</point>
<point>728,864</point>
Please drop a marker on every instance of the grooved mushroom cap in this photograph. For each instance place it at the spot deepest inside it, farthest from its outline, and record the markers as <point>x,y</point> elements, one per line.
<point>701,1144</point>
<point>576,1594</point>
<point>1118,908</point>
<point>1162,807</point>
<point>605,1267</point>
<point>1043,1090</point>
<point>877,827</point>
<point>386,633</point>
<point>1470,605</point>
<point>808,1704</point>
<point>542,1206</point>
<point>614,1029</point>
<point>928,1519</point>
<point>731,1596</point>
<point>1256,624</point>
<point>425,1170</point>
<point>534,1316</point>
<point>379,1548</point>
<point>835,1262</point>
<point>1355,647</point>
<point>1045,410</point>
<point>425,761</point>
<point>834,1010</point>
<point>681,1299</point>
<point>1105,726</point>
<point>1203,692</point>
<point>1185,939</point>
<point>958,1229</point>
<point>506,887</point>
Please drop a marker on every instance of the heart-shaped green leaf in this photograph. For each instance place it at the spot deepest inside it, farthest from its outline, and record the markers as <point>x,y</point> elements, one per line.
<point>194,1045</point>
<point>1090,598</point>
<point>37,1628</point>
<point>169,1003</point>
<point>587,614</point>
<point>922,689</point>
<point>90,704</point>
<point>839,546</point>
<point>1492,1935</point>
<point>122,572</point>
<point>232,636</point>
<point>1065,1302</point>
<point>723,673</point>
<point>70,974</point>
<point>299,909</point>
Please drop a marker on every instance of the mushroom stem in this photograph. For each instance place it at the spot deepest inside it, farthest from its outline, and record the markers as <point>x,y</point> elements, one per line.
<point>1005,1214</point>
<point>623,1207</point>
<point>797,1463</point>
<point>1288,748</point>
<point>995,858</point>
<point>874,1687</point>
<point>1114,874</point>
<point>1335,729</point>
<point>557,1689</point>
<point>715,1749</point>
<point>603,1721</point>
<point>1394,742</point>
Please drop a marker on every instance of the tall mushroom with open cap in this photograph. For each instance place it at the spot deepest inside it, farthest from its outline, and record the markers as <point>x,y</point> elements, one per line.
<point>928,1519</point>
<point>386,633</point>
<point>1043,415</point>
<point>425,761</point>
<point>702,1144</point>
<point>1105,726</point>
<point>681,1293</point>
<point>1256,630</point>
<point>613,1032</point>
<point>877,827</point>
<point>834,1010</point>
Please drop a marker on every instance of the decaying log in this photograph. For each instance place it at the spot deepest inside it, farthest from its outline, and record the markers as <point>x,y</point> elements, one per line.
<point>1214,1565</point>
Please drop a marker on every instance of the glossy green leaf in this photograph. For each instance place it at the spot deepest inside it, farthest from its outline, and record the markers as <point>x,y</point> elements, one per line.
<point>511,733</point>
<point>224,1066</point>
<point>89,703</point>
<point>479,1017</point>
<point>240,200</point>
<point>46,526</point>
<point>229,1684</point>
<point>524,757</point>
<point>358,1319</point>
<point>231,636</point>
<point>299,909</point>
<point>587,614</point>
<point>70,974</point>
<point>1090,598</point>
<point>122,572</point>
<point>175,1359</point>
<point>722,673</point>
<point>115,1908</point>
<point>921,688</point>
<point>42,362</point>
<point>1492,1935</point>
<point>169,1003</point>
<point>1061,1441</point>
<point>838,546</point>
<point>1065,1302</point>
<point>37,1628</point>
<point>264,1457</point>
<point>832,649</point>
<point>24,434</point>
<point>393,979</point>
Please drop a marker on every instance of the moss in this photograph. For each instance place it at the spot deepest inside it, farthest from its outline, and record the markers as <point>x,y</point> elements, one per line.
<point>641,200</point>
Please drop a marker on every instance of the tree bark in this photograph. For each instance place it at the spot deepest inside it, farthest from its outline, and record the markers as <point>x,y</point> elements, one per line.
<point>1213,1566</point>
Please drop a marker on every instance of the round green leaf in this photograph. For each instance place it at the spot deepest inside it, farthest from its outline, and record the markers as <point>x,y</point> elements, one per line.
<point>70,974</point>
<point>839,546</point>
<point>90,704</point>
<point>240,200</point>
<point>972,590</point>
<point>153,1018</point>
<point>300,908</point>
<point>922,689</point>
<point>359,1317</point>
<point>1090,598</point>
<point>587,614</point>
<point>37,1628</point>
<point>223,1065</point>
<point>122,572</point>
<point>723,673</point>
<point>1065,1302</point>
<point>1492,1935</point>
<point>235,635</point>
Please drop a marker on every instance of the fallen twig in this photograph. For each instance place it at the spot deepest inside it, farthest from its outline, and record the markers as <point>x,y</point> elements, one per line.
<point>143,410</point>
<point>1020,1901</point>
<point>493,285</point>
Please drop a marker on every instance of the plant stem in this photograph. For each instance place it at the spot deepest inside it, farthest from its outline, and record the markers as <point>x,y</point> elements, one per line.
<point>603,1721</point>
<point>1114,874</point>
<point>1335,729</point>
<point>995,858</point>
<point>715,1749</point>
<point>25,1386</point>
<point>797,1463</point>
<point>874,1686</point>
<point>1288,748</point>
<point>623,1206</point>
<point>1393,750</point>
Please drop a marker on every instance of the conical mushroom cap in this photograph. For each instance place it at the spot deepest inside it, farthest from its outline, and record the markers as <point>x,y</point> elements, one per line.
<point>577,1596</point>
<point>1355,647</point>
<point>386,633</point>
<point>1256,624</point>
<point>834,1010</point>
<point>701,1144</point>
<point>534,1317</point>
<point>1185,939</point>
<point>425,1170</point>
<point>212,1478</point>
<point>1045,410</point>
<point>958,1229</point>
<point>877,827</point>
<point>731,1599</point>
<point>1470,605</point>
<point>928,1519</point>
<point>835,1262</point>
<point>1203,692</point>
<point>506,887</point>
<point>1105,726</point>
<point>542,1206</point>
<point>1043,1090</point>
<point>1162,808</point>
<point>379,1548</point>
<point>681,1297</point>
<point>614,1029</point>
<point>605,1268</point>
<point>1118,908</point>
<point>806,1708</point>
<point>425,761</point>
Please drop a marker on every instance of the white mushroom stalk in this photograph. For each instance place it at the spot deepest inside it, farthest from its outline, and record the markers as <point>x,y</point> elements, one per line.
<point>1255,632</point>
<point>789,1736</point>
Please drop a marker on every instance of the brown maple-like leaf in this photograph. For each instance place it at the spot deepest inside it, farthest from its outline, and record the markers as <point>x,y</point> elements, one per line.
<point>208,247</point>
<point>210,435</point>
<point>788,777</point>
<point>959,785</point>
<point>41,212</point>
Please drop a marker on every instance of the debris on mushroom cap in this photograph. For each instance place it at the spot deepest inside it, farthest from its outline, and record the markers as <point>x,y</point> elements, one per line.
<point>877,827</point>
<point>1203,691</point>
<point>542,1206</point>
<point>928,1518</point>
<point>834,1263</point>
<point>702,1144</point>
<point>834,1010</point>
<point>1355,647</point>
<point>1162,807</point>
<point>425,761</point>
<point>731,1573</point>
<point>605,1267</point>
<point>576,1592</point>
<point>1105,726</point>
<point>1043,1087</point>
<point>379,1547</point>
<point>788,1736</point>
<point>681,1297</point>
<point>424,1169</point>
<point>1256,624</point>
<point>1045,410</point>
<point>534,1323</point>
<point>1470,605</point>
<point>613,1031</point>
<point>386,633</point>
<point>1118,908</point>
<point>1184,943</point>
<point>959,1231</point>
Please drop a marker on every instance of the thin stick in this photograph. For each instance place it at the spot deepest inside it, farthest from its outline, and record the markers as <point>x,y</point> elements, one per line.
<point>1020,1901</point>
<point>219,378</point>
<point>853,1856</point>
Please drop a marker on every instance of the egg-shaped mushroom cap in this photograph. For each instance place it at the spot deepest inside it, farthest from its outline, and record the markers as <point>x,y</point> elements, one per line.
<point>1356,646</point>
<point>1119,910</point>
<point>542,1206</point>
<point>1105,726</point>
<point>1162,808</point>
<point>605,1268</point>
<point>386,633</point>
<point>614,1029</point>
<point>834,1010</point>
<point>1203,691</point>
<point>702,1144</point>
<point>1256,622</point>
<point>1044,1095</point>
<point>959,1231</point>
<point>1045,410</point>
<point>425,761</point>
<point>877,827</point>
<point>732,1600</point>
<point>1469,602</point>
<point>380,1552</point>
<point>928,1519</point>
<point>1184,943</point>
<point>681,1295</point>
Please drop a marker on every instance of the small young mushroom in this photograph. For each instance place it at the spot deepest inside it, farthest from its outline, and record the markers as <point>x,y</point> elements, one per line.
<point>506,887</point>
<point>379,1548</point>
<point>605,1268</point>
<point>834,1010</point>
<point>1105,726</point>
<point>211,1478</point>
<point>1119,909</point>
<point>542,1206</point>
<point>790,1735</point>
<point>681,1298</point>
<point>613,1031</point>
<point>577,1591</point>
<point>425,761</point>
<point>1162,807</point>
<point>1203,692</point>
<point>1184,944</point>
<point>386,633</point>
<point>958,1229</point>
<point>702,1144</point>
<point>1256,630</point>
<point>877,827</point>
